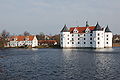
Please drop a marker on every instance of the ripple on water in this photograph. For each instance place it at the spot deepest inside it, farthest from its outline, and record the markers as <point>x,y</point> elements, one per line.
<point>58,64</point>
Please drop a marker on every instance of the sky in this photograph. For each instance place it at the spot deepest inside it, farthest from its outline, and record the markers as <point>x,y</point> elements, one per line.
<point>49,16</point>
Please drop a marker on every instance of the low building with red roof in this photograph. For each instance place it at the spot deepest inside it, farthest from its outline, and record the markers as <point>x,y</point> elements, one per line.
<point>18,41</point>
<point>47,42</point>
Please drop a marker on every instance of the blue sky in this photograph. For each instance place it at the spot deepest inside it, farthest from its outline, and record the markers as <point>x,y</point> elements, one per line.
<point>49,16</point>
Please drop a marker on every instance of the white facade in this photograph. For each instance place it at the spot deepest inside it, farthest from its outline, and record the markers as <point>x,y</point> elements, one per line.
<point>17,41</point>
<point>85,37</point>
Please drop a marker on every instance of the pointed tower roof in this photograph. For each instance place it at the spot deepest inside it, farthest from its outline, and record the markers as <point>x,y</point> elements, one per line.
<point>87,25</point>
<point>65,29</point>
<point>107,29</point>
<point>97,27</point>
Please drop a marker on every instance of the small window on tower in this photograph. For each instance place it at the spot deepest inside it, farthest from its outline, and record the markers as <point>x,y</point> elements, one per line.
<point>98,42</point>
<point>107,38</point>
<point>98,34</point>
<point>90,38</point>
<point>90,34</point>
<point>78,42</point>
<point>68,42</point>
<point>72,39</point>
<point>72,42</point>
<point>90,42</point>
<point>98,38</point>
<point>106,42</point>
<point>78,38</point>
<point>72,35</point>
<point>107,35</point>
<point>84,42</point>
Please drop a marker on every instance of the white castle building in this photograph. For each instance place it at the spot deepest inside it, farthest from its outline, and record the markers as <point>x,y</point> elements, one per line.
<point>86,37</point>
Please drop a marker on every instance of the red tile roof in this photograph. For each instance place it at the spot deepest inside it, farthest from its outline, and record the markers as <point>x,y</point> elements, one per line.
<point>21,38</point>
<point>81,29</point>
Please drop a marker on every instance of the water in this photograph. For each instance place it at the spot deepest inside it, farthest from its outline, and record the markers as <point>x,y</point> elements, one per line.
<point>60,64</point>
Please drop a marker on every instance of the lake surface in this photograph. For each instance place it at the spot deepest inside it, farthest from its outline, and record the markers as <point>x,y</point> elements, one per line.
<point>60,64</point>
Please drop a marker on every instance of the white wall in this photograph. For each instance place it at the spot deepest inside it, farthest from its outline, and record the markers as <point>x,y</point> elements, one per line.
<point>64,36</point>
<point>34,42</point>
<point>98,39</point>
<point>108,39</point>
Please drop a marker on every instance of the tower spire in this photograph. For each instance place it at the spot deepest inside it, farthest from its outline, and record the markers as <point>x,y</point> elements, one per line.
<point>65,29</point>
<point>107,29</point>
<point>97,27</point>
<point>87,24</point>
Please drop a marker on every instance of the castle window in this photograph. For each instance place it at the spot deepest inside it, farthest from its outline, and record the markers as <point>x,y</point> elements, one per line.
<point>84,34</point>
<point>98,42</point>
<point>72,42</point>
<point>78,38</point>
<point>107,38</point>
<point>106,42</point>
<point>84,42</point>
<point>61,42</point>
<point>72,35</point>
<point>68,35</point>
<point>68,38</point>
<point>98,34</point>
<point>68,42</point>
<point>78,42</point>
<point>90,38</point>
<point>72,39</point>
<point>61,38</point>
<point>98,38</point>
<point>61,35</point>
<point>84,38</point>
<point>107,35</point>
<point>90,42</point>
<point>78,35</point>
<point>90,34</point>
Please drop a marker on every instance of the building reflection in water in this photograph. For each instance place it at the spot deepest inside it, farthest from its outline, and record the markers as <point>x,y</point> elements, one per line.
<point>104,65</point>
<point>105,50</point>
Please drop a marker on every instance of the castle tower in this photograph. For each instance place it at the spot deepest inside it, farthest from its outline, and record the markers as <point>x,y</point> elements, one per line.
<point>98,34</point>
<point>65,37</point>
<point>108,37</point>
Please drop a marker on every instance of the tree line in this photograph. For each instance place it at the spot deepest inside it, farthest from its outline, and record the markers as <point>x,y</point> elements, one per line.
<point>4,35</point>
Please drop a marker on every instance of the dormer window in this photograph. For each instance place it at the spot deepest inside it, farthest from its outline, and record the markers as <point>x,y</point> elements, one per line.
<point>75,30</point>
<point>87,30</point>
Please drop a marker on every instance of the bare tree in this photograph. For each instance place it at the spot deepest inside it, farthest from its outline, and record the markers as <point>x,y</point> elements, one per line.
<point>41,36</point>
<point>26,33</point>
<point>5,34</point>
<point>4,38</point>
